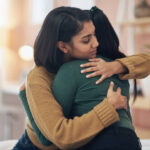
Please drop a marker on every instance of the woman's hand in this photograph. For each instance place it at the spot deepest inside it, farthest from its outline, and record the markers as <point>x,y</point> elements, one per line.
<point>100,67</point>
<point>115,98</point>
<point>22,87</point>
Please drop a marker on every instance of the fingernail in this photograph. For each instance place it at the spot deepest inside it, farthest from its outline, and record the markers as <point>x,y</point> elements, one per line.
<point>87,76</point>
<point>82,71</point>
<point>81,65</point>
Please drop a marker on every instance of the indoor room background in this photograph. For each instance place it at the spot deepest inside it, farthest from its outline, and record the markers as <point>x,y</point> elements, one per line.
<point>20,21</point>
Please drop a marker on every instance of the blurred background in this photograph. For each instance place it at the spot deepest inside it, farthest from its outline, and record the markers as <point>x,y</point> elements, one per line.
<point>20,22</point>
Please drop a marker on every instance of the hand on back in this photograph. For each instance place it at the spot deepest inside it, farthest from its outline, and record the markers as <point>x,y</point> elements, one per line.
<point>99,67</point>
<point>115,98</point>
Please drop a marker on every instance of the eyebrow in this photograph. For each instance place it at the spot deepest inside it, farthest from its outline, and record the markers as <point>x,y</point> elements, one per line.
<point>86,36</point>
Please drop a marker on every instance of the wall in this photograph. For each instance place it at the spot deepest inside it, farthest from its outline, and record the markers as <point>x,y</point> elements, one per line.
<point>21,31</point>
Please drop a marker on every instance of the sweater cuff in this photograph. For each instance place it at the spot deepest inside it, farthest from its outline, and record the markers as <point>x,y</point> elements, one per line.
<point>106,113</point>
<point>130,66</point>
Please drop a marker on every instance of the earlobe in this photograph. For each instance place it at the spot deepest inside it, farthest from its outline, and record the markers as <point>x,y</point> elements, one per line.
<point>62,46</point>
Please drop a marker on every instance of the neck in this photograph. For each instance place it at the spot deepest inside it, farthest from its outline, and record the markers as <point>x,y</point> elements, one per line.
<point>68,58</point>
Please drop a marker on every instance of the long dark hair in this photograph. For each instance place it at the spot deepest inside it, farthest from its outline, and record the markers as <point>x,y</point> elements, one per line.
<point>107,38</point>
<point>61,24</point>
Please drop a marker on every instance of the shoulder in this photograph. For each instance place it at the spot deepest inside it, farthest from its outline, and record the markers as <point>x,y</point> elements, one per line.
<point>39,73</point>
<point>72,65</point>
<point>70,70</point>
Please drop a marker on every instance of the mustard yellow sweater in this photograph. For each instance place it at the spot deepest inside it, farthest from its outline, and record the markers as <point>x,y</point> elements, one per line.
<point>137,65</point>
<point>72,133</point>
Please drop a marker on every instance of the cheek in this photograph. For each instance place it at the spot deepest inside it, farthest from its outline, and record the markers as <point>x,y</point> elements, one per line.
<point>81,51</point>
<point>84,51</point>
<point>84,48</point>
<point>83,54</point>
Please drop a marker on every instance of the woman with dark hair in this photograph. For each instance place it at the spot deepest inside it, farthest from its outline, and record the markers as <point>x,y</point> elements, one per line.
<point>47,122</point>
<point>66,34</point>
<point>131,67</point>
<point>105,34</point>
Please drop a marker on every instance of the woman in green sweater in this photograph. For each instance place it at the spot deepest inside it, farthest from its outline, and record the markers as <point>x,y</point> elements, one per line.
<point>78,95</point>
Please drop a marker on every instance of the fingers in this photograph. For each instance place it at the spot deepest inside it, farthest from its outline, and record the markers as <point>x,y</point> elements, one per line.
<point>118,90</point>
<point>111,86</point>
<point>89,69</point>
<point>89,64</point>
<point>94,74</point>
<point>93,62</point>
<point>124,99</point>
<point>95,59</point>
<point>22,87</point>
<point>101,79</point>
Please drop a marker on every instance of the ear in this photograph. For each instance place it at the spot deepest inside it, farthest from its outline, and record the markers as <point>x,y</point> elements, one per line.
<point>63,46</point>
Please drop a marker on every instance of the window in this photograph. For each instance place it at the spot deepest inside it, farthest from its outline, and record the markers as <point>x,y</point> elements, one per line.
<point>40,9</point>
<point>3,12</point>
<point>83,4</point>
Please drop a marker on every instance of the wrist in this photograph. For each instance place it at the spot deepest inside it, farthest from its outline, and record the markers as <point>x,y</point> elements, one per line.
<point>119,68</point>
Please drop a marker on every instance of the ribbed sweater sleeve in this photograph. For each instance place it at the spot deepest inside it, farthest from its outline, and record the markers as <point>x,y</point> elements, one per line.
<point>138,66</point>
<point>49,117</point>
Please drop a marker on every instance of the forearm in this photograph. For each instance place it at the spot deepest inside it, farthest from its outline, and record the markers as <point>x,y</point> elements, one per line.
<point>138,66</point>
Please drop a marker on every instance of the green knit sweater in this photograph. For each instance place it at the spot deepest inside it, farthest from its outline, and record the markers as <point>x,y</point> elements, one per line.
<point>78,95</point>
<point>138,66</point>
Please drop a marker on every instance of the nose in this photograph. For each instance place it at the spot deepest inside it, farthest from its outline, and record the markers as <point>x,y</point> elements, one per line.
<point>95,42</point>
